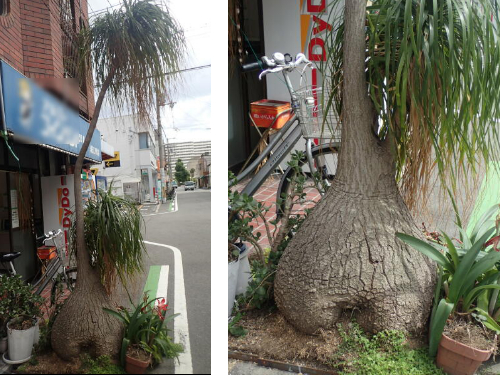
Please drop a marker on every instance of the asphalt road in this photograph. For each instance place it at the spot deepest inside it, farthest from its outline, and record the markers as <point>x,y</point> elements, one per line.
<point>188,230</point>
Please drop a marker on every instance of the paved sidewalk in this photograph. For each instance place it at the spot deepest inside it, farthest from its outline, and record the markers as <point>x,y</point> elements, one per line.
<point>490,367</point>
<point>267,195</point>
<point>248,368</point>
<point>4,368</point>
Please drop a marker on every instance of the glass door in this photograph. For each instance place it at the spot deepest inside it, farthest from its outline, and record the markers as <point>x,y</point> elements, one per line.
<point>4,215</point>
<point>22,224</point>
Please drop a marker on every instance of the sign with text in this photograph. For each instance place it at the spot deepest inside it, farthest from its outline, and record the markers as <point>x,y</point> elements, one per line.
<point>35,116</point>
<point>14,209</point>
<point>58,204</point>
<point>111,163</point>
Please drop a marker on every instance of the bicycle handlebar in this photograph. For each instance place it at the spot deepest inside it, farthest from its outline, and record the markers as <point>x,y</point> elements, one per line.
<point>50,234</point>
<point>254,66</point>
<point>280,63</point>
<point>277,63</point>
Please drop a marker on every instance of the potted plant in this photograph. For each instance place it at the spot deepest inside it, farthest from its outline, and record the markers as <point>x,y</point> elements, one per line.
<point>243,209</point>
<point>137,360</point>
<point>145,340</point>
<point>467,290</point>
<point>22,308</point>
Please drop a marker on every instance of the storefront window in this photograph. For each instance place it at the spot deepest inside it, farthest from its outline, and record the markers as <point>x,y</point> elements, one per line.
<point>21,221</point>
<point>4,214</point>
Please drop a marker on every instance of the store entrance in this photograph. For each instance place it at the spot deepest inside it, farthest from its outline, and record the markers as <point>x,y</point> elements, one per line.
<point>16,220</point>
<point>4,214</point>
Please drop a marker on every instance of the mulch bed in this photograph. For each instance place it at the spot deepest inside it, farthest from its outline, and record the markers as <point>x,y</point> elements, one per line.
<point>270,336</point>
<point>50,363</point>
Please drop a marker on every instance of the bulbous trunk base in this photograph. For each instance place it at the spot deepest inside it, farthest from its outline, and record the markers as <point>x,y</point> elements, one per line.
<point>346,257</point>
<point>82,326</point>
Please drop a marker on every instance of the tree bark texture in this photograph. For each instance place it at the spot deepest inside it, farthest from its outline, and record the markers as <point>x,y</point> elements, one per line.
<point>345,257</point>
<point>82,325</point>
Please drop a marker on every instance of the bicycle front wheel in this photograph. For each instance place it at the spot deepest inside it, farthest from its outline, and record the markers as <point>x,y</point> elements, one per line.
<point>326,160</point>
<point>64,283</point>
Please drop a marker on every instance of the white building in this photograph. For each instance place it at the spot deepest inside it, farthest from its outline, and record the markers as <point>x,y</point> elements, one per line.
<point>188,152</point>
<point>133,171</point>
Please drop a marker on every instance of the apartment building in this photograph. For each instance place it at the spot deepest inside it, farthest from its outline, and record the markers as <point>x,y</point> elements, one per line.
<point>188,152</point>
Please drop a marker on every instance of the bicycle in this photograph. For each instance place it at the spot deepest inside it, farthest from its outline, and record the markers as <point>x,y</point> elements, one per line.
<point>62,276</point>
<point>310,120</point>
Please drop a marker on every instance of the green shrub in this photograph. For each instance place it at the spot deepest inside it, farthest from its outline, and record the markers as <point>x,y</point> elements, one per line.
<point>100,365</point>
<point>382,354</point>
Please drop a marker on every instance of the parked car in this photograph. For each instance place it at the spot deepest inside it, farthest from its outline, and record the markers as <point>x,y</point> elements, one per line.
<point>174,184</point>
<point>188,185</point>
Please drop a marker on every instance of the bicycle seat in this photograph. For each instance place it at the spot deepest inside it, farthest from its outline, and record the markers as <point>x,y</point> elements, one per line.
<point>9,257</point>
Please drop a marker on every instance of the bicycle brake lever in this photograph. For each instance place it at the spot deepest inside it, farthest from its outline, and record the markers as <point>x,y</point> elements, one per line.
<point>267,71</point>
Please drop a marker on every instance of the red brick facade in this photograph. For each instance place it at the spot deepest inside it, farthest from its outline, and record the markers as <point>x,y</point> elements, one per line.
<point>31,41</point>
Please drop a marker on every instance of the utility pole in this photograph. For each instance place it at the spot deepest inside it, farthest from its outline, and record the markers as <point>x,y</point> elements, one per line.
<point>171,105</point>
<point>160,100</point>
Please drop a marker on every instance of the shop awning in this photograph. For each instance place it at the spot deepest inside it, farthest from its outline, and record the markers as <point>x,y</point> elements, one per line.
<point>69,153</point>
<point>35,116</point>
<point>107,151</point>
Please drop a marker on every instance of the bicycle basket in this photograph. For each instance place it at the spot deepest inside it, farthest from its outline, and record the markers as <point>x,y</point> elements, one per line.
<point>314,122</point>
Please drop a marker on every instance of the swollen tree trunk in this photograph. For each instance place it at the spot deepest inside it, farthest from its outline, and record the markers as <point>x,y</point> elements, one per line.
<point>345,257</point>
<point>82,325</point>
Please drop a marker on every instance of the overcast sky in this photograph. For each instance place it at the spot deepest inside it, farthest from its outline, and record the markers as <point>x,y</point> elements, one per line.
<point>190,118</point>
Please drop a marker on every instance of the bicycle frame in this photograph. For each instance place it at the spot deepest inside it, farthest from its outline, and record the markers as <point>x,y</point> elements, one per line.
<point>281,151</point>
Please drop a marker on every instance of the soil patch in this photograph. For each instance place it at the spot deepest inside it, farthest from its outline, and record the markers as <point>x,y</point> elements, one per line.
<point>270,336</point>
<point>50,363</point>
<point>469,334</point>
<point>137,353</point>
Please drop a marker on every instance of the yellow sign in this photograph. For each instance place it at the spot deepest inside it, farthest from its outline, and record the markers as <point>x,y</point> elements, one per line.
<point>116,158</point>
<point>94,171</point>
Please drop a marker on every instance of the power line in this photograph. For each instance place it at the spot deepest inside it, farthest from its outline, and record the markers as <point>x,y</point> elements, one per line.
<point>94,13</point>
<point>178,71</point>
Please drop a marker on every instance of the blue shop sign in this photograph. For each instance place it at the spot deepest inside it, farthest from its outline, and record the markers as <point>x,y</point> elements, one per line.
<point>36,116</point>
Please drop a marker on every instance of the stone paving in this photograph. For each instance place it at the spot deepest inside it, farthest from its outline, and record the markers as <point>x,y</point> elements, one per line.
<point>249,368</point>
<point>267,195</point>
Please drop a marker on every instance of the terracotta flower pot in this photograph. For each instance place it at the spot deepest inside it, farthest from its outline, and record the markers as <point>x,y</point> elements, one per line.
<point>456,358</point>
<point>135,366</point>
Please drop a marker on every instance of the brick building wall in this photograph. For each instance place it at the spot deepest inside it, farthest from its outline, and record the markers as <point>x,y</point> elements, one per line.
<point>31,41</point>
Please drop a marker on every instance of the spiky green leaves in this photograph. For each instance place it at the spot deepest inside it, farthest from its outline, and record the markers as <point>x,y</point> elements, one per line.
<point>113,237</point>
<point>432,73</point>
<point>140,42</point>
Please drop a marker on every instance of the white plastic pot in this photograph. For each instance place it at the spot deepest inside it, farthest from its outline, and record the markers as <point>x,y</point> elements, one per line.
<point>244,273</point>
<point>232,283</point>
<point>20,343</point>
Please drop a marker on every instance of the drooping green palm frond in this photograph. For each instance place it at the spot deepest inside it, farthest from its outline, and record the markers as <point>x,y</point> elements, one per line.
<point>138,44</point>
<point>113,237</point>
<point>433,76</point>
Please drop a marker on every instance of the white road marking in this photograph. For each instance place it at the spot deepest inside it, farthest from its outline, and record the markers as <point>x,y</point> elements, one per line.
<point>181,327</point>
<point>176,208</point>
<point>161,292</point>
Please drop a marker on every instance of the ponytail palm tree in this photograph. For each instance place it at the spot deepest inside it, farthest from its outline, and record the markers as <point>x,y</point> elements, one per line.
<point>129,51</point>
<point>416,86</point>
